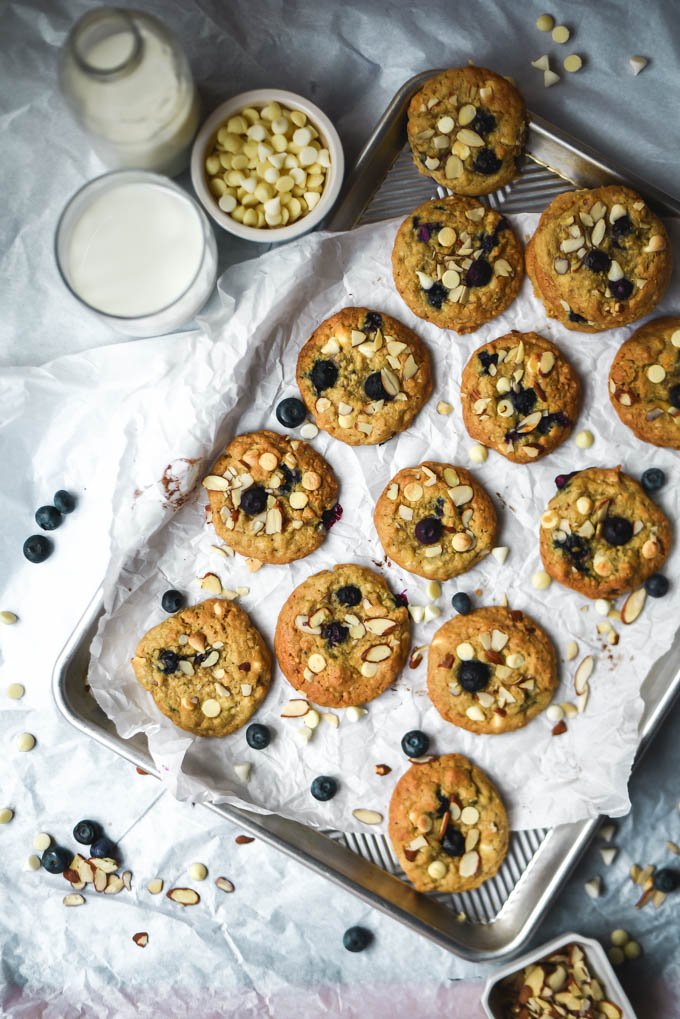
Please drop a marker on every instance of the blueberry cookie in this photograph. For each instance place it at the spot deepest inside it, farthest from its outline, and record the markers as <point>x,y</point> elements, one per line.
<point>602,535</point>
<point>520,396</point>
<point>342,637</point>
<point>457,263</point>
<point>599,258</point>
<point>467,128</point>
<point>435,520</point>
<point>207,667</point>
<point>271,497</point>
<point>644,382</point>
<point>363,376</point>
<point>448,826</point>
<point>491,671</point>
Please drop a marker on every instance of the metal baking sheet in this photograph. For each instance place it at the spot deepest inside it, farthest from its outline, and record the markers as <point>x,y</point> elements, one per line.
<point>496,919</point>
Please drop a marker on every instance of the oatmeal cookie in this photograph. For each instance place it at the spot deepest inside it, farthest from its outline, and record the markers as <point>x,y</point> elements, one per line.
<point>644,382</point>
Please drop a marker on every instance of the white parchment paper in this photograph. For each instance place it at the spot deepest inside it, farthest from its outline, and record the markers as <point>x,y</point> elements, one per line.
<point>230,381</point>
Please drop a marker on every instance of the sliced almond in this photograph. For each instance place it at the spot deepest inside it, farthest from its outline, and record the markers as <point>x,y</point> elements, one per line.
<point>105,863</point>
<point>74,899</point>
<point>633,605</point>
<point>380,626</point>
<point>141,939</point>
<point>184,896</point>
<point>295,708</point>
<point>215,483</point>
<point>583,674</point>
<point>211,583</point>
<point>100,880</point>
<point>469,864</point>
<point>377,653</point>
<point>224,884</point>
<point>460,494</point>
<point>155,886</point>
<point>113,885</point>
<point>367,816</point>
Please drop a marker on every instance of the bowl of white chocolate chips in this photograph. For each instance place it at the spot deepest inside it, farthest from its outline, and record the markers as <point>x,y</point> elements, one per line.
<point>267,165</point>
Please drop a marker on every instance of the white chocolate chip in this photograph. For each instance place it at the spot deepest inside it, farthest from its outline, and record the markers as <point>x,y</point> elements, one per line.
<point>573,63</point>
<point>197,871</point>
<point>445,408</point>
<point>545,23</point>
<point>15,691</point>
<point>25,742</point>
<point>437,870</point>
<point>656,373</point>
<point>638,64</point>
<point>478,453</point>
<point>243,770</point>
<point>550,78</point>
<point>211,708</point>
<point>584,439</point>
<point>6,815</point>
<point>541,580</point>
<point>465,651</point>
<point>542,64</point>
<point>560,34</point>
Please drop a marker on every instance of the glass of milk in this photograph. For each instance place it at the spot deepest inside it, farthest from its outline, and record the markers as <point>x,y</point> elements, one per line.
<point>138,251</point>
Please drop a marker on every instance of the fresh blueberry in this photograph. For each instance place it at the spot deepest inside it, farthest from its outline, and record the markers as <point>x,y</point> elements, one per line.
<point>253,500</point>
<point>666,880</point>
<point>168,662</point>
<point>486,360</point>
<point>290,478</point>
<point>330,517</point>
<point>372,321</point>
<point>258,736</point>
<point>524,401</point>
<point>64,501</point>
<point>617,530</point>
<point>576,549</point>
<point>349,595</point>
<point>657,585</point>
<point>437,294</point>
<point>653,479</point>
<point>291,412</point>
<point>622,227</point>
<point>621,289</point>
<point>172,601</point>
<point>462,603</point>
<point>479,273</point>
<point>474,675</point>
<point>597,260</point>
<point>56,859</point>
<point>104,847</point>
<point>425,231</point>
<point>48,517</point>
<point>444,803</point>
<point>487,162</point>
<point>575,317</point>
<point>324,788</point>
<point>37,548</point>
<point>374,388</point>
<point>674,396</point>
<point>324,375</point>
<point>87,832</point>
<point>415,743</point>
<point>483,123</point>
<point>453,842</point>
<point>334,633</point>
<point>356,939</point>
<point>428,530</point>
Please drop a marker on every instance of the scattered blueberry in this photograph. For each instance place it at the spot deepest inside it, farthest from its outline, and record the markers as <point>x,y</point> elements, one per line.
<point>487,162</point>
<point>104,847</point>
<point>597,260</point>
<point>462,603</point>
<point>356,939</point>
<point>291,412</point>
<point>373,321</point>
<point>453,842</point>
<point>621,227</point>
<point>330,517</point>
<point>621,289</point>
<point>437,294</point>
<point>483,123</point>
<point>168,662</point>
<point>64,501</point>
<point>48,517</point>
<point>486,360</point>
<point>349,595</point>
<point>657,585</point>
<point>87,832</point>
<point>653,479</point>
<point>374,388</point>
<point>617,530</point>
<point>56,859</point>
<point>474,675</point>
<point>253,500</point>
<point>324,375</point>
<point>415,743</point>
<point>428,530</point>
<point>479,273</point>
<point>324,788</point>
<point>674,396</point>
<point>172,601</point>
<point>334,633</point>
<point>666,880</point>
<point>37,548</point>
<point>258,736</point>
<point>523,401</point>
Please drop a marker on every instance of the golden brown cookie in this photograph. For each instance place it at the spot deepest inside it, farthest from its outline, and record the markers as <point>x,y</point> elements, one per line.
<point>342,637</point>
<point>448,825</point>
<point>466,128</point>
<point>599,258</point>
<point>363,376</point>
<point>457,263</point>
<point>271,497</point>
<point>602,535</point>
<point>492,670</point>
<point>644,382</point>
<point>207,667</point>
<point>435,520</point>
<point>520,396</point>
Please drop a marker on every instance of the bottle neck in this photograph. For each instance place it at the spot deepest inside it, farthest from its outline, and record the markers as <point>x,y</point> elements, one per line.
<point>106,44</point>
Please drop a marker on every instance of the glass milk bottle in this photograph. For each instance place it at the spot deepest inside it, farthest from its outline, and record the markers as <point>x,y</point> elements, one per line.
<point>129,85</point>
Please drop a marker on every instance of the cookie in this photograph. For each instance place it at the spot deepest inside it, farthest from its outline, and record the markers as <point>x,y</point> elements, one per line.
<point>599,258</point>
<point>491,671</point>
<point>363,376</point>
<point>342,637</point>
<point>467,127</point>
<point>457,263</point>
<point>644,382</point>
<point>207,667</point>
<point>435,520</point>
<point>602,534</point>
<point>520,396</point>
<point>271,497</point>
<point>448,826</point>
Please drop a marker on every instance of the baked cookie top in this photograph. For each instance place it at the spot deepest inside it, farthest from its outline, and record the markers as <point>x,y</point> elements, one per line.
<point>435,520</point>
<point>466,128</point>
<point>448,825</point>
<point>520,396</point>
<point>363,376</point>
<point>457,263</point>
<point>644,382</point>
<point>342,637</point>
<point>599,258</point>
<point>271,497</point>
<point>601,533</point>
<point>491,671</point>
<point>207,667</point>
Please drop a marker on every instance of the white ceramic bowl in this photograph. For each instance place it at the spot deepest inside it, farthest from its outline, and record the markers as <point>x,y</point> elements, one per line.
<point>597,961</point>
<point>206,137</point>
